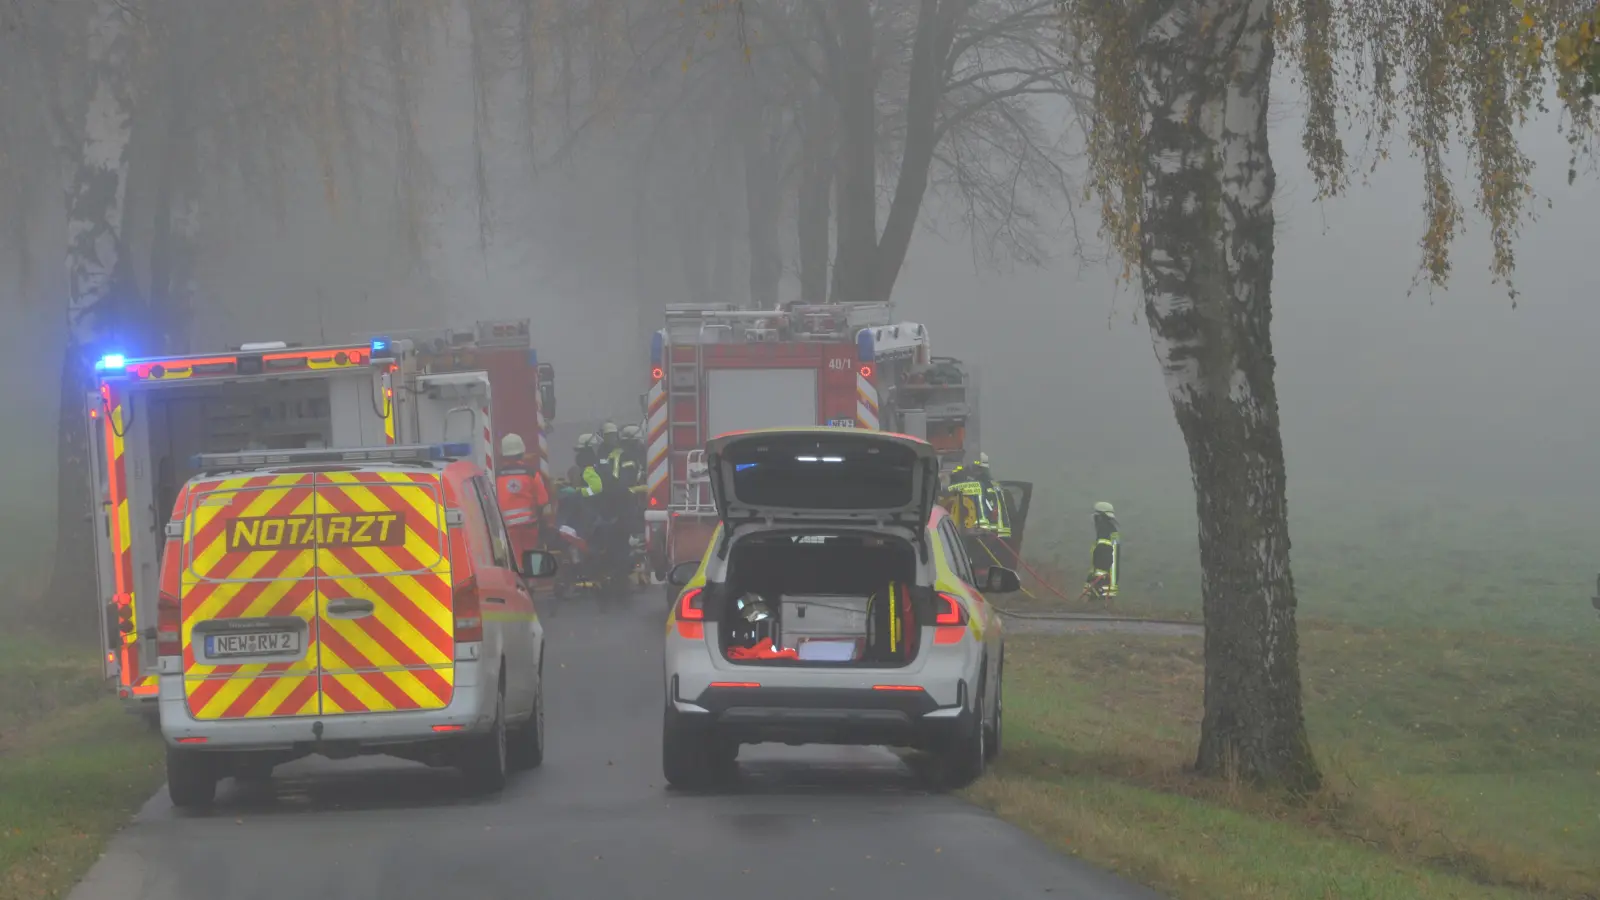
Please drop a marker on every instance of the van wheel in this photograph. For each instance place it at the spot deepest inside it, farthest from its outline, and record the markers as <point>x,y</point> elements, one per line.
<point>525,746</point>
<point>191,779</point>
<point>694,758</point>
<point>483,760</point>
<point>961,762</point>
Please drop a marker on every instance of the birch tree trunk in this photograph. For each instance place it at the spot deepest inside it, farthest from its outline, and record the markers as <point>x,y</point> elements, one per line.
<point>1206,259</point>
<point>177,213</point>
<point>93,261</point>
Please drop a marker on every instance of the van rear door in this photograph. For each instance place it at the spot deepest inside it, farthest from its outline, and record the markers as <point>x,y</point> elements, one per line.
<point>248,597</point>
<point>387,627</point>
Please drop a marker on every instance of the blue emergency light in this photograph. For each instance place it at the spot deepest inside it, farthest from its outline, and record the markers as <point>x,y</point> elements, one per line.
<point>865,346</point>
<point>111,362</point>
<point>380,346</point>
<point>390,453</point>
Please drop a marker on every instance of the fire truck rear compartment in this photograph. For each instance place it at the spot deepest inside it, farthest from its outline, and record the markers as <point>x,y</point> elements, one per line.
<point>828,597</point>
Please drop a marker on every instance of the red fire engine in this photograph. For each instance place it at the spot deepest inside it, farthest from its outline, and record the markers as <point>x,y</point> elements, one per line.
<point>717,368</point>
<point>524,397</point>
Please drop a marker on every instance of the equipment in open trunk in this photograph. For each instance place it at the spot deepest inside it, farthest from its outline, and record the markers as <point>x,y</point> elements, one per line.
<point>828,599</point>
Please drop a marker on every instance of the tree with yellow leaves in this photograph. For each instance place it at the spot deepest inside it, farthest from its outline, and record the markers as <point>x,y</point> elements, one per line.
<point>1181,162</point>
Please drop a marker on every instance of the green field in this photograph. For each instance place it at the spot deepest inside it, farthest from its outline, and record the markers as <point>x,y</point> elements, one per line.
<point>1370,554</point>
<point>73,766</point>
<point>1451,660</point>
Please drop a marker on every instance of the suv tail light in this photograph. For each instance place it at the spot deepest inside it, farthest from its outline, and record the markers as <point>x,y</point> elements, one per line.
<point>169,626</point>
<point>691,614</point>
<point>951,612</point>
<point>468,611</point>
<point>951,621</point>
<point>691,605</point>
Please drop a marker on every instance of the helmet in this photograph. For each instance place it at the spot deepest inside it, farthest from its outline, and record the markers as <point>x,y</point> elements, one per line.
<point>983,459</point>
<point>609,428</point>
<point>629,433</point>
<point>1104,507</point>
<point>512,445</point>
<point>753,608</point>
<point>586,439</point>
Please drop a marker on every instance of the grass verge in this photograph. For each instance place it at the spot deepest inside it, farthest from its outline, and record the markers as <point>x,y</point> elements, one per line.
<point>1458,765</point>
<point>73,767</point>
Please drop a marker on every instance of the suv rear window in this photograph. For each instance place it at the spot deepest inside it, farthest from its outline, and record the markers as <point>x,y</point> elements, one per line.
<point>823,474</point>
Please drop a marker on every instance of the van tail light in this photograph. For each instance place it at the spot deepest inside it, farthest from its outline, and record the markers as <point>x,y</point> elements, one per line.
<point>468,611</point>
<point>951,612</point>
<point>691,605</point>
<point>169,626</point>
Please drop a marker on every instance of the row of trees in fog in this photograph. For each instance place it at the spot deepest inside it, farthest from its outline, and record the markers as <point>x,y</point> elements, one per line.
<point>813,137</point>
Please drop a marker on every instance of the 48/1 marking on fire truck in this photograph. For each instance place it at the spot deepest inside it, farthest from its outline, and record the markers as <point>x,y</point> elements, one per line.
<point>326,530</point>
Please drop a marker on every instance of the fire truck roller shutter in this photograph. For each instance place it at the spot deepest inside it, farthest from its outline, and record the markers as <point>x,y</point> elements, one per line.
<point>746,399</point>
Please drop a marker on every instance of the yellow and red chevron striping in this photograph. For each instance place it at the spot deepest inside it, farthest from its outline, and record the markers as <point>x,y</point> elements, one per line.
<point>402,656</point>
<point>399,657</point>
<point>219,583</point>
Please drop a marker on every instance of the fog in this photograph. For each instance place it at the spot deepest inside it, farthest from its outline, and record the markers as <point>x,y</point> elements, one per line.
<point>1388,397</point>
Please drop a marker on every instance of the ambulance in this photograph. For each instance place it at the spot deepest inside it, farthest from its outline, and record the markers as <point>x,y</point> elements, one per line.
<point>149,418</point>
<point>342,603</point>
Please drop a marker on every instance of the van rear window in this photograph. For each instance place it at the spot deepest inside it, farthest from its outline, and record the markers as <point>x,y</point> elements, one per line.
<point>816,474</point>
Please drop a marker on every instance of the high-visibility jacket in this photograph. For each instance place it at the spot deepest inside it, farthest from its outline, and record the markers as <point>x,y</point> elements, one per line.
<point>592,484</point>
<point>976,507</point>
<point>1106,560</point>
<point>522,495</point>
<point>624,470</point>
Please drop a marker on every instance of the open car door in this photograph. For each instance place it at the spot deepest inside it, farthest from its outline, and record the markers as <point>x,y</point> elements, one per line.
<point>823,474</point>
<point>1018,495</point>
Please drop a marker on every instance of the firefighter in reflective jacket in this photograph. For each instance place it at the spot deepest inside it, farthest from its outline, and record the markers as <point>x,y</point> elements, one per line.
<point>524,498</point>
<point>976,501</point>
<point>993,500</point>
<point>1106,561</point>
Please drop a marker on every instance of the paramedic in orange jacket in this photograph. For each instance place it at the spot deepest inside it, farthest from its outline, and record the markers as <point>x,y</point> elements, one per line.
<point>524,497</point>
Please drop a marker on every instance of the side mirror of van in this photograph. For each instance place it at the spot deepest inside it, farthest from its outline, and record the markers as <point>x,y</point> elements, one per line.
<point>538,564</point>
<point>1001,580</point>
<point>682,572</point>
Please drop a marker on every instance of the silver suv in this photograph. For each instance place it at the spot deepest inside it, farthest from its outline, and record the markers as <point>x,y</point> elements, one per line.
<point>835,605</point>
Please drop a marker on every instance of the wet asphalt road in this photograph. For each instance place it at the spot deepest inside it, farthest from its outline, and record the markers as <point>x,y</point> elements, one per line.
<point>595,822</point>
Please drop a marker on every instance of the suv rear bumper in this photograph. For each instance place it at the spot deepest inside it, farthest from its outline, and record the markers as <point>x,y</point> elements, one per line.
<point>470,711</point>
<point>902,718</point>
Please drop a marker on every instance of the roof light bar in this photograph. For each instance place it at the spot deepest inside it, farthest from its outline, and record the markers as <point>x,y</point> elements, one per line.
<point>111,362</point>
<point>399,453</point>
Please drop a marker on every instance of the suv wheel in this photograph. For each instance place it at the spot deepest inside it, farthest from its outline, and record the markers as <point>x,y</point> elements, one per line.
<point>191,779</point>
<point>484,758</point>
<point>525,746</point>
<point>992,749</point>
<point>962,761</point>
<point>693,758</point>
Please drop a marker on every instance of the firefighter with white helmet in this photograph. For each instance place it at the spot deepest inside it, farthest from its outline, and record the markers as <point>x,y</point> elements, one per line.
<point>1106,561</point>
<point>523,495</point>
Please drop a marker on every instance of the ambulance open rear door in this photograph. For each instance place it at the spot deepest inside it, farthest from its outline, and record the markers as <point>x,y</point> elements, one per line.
<point>101,514</point>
